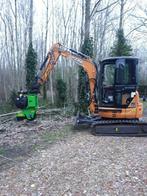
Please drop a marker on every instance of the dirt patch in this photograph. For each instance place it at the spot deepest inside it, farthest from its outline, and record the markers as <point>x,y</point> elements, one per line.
<point>18,140</point>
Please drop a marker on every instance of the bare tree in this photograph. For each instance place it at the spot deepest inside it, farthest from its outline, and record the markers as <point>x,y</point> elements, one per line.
<point>31,21</point>
<point>122,3</point>
<point>87,18</point>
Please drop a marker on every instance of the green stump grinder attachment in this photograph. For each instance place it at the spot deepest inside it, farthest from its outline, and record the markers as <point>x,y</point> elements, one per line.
<point>28,103</point>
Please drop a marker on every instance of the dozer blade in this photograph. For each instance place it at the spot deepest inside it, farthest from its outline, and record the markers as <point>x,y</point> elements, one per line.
<point>120,128</point>
<point>85,122</point>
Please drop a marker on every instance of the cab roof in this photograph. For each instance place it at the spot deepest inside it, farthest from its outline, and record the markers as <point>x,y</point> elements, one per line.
<point>120,57</point>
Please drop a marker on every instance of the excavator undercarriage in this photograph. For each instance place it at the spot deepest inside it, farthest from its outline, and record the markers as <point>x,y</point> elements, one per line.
<point>124,127</point>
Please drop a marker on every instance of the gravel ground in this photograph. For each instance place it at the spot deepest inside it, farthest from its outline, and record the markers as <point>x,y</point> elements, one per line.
<point>15,133</point>
<point>80,165</point>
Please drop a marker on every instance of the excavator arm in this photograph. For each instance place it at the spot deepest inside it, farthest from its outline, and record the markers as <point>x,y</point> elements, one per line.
<point>83,60</point>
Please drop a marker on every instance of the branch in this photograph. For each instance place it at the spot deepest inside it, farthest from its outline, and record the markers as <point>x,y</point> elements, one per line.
<point>142,31</point>
<point>44,3</point>
<point>138,17</point>
<point>106,7</point>
<point>142,20</point>
<point>11,7</point>
<point>129,10</point>
<point>134,30</point>
<point>97,3</point>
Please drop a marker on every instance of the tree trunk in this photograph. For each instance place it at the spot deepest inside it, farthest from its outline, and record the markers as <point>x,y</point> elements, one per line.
<point>121,14</point>
<point>53,37</point>
<point>46,28</point>
<point>31,22</point>
<point>17,45</point>
<point>87,18</point>
<point>45,46</point>
<point>82,24</point>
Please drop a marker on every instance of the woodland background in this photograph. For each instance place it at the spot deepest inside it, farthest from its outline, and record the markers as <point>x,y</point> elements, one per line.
<point>44,22</point>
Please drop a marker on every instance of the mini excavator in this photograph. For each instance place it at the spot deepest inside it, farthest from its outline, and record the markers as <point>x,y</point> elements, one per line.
<point>114,103</point>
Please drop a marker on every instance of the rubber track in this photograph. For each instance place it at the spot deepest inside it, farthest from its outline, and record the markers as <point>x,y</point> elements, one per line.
<point>114,122</point>
<point>120,127</point>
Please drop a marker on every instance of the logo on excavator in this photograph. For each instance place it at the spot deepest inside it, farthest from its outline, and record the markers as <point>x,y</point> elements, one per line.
<point>117,129</point>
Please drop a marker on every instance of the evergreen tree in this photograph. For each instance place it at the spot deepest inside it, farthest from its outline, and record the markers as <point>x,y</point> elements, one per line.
<point>83,86</point>
<point>121,46</point>
<point>30,64</point>
<point>87,47</point>
<point>61,92</point>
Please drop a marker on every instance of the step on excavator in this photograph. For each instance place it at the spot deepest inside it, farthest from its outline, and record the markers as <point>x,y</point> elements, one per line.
<point>114,103</point>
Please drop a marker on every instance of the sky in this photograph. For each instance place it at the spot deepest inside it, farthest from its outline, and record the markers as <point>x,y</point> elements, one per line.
<point>135,7</point>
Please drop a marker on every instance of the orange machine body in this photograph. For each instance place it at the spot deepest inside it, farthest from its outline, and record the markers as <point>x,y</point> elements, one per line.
<point>133,111</point>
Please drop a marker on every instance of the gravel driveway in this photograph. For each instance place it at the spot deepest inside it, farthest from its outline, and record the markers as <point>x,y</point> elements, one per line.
<point>81,165</point>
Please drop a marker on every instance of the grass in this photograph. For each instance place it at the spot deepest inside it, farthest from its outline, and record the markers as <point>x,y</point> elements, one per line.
<point>145,104</point>
<point>5,108</point>
<point>51,137</point>
<point>2,151</point>
<point>35,147</point>
<point>44,140</point>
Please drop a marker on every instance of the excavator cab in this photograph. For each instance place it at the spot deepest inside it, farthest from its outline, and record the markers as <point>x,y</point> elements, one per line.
<point>118,88</point>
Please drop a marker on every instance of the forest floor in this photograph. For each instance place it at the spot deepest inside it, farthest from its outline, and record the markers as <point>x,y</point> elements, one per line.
<point>48,157</point>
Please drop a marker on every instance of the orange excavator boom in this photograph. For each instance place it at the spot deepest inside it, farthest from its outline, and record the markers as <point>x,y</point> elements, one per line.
<point>83,60</point>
